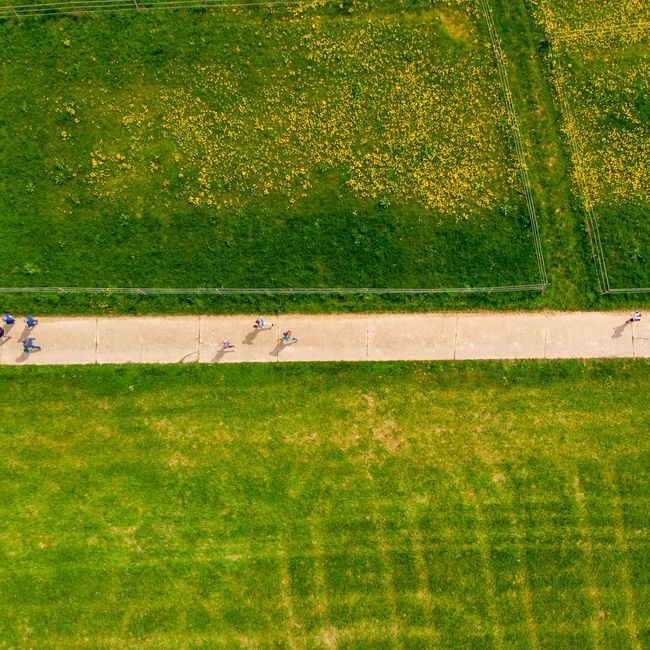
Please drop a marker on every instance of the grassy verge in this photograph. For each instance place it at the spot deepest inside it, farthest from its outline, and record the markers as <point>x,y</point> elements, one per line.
<point>326,506</point>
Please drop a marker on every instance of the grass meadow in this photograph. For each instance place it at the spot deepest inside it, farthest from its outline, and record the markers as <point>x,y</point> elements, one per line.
<point>600,65</point>
<point>335,506</point>
<point>259,147</point>
<point>142,149</point>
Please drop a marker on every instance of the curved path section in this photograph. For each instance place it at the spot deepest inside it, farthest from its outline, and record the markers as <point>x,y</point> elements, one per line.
<point>363,337</point>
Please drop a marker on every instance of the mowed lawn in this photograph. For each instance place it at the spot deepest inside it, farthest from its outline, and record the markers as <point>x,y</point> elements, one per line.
<point>333,506</point>
<point>281,146</point>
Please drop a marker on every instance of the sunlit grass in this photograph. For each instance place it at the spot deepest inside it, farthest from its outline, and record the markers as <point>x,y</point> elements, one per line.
<point>326,506</point>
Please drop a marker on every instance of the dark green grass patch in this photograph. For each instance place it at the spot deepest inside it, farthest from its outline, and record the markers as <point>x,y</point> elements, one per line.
<point>325,506</point>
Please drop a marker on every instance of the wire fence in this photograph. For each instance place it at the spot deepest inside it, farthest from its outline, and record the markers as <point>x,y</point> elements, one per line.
<point>212,291</point>
<point>500,57</point>
<point>562,34</point>
<point>592,227</point>
<point>81,7</point>
<point>70,7</point>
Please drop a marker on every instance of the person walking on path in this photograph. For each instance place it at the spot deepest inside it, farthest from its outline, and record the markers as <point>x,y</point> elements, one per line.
<point>635,317</point>
<point>228,345</point>
<point>8,319</point>
<point>30,321</point>
<point>288,337</point>
<point>260,324</point>
<point>2,333</point>
<point>28,345</point>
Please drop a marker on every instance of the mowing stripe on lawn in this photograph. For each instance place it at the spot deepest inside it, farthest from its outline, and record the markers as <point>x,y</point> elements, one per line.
<point>587,545</point>
<point>424,594</point>
<point>483,543</point>
<point>522,578</point>
<point>294,635</point>
<point>387,573</point>
<point>321,599</point>
<point>623,548</point>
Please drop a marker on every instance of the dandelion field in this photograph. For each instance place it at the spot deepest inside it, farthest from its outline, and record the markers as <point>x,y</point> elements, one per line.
<point>600,68</point>
<point>259,147</point>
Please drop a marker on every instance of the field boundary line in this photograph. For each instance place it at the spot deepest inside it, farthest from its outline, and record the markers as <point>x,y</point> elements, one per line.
<point>591,221</point>
<point>215,291</point>
<point>68,7</point>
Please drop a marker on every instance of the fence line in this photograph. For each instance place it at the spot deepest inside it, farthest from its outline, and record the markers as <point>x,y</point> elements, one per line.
<point>630,290</point>
<point>500,57</point>
<point>213,291</point>
<point>69,7</point>
<point>616,27</point>
<point>80,7</point>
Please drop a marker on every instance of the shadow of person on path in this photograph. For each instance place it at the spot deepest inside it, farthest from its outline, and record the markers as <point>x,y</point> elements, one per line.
<point>4,339</point>
<point>618,331</point>
<point>250,337</point>
<point>23,357</point>
<point>221,353</point>
<point>282,344</point>
<point>279,346</point>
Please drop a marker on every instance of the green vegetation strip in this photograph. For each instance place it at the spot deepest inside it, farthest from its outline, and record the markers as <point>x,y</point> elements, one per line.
<point>599,66</point>
<point>351,506</point>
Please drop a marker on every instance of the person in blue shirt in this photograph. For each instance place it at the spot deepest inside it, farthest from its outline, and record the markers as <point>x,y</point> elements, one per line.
<point>28,345</point>
<point>30,321</point>
<point>8,318</point>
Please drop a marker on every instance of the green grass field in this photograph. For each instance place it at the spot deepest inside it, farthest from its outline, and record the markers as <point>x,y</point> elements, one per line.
<point>334,506</point>
<point>263,147</point>
<point>603,74</point>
